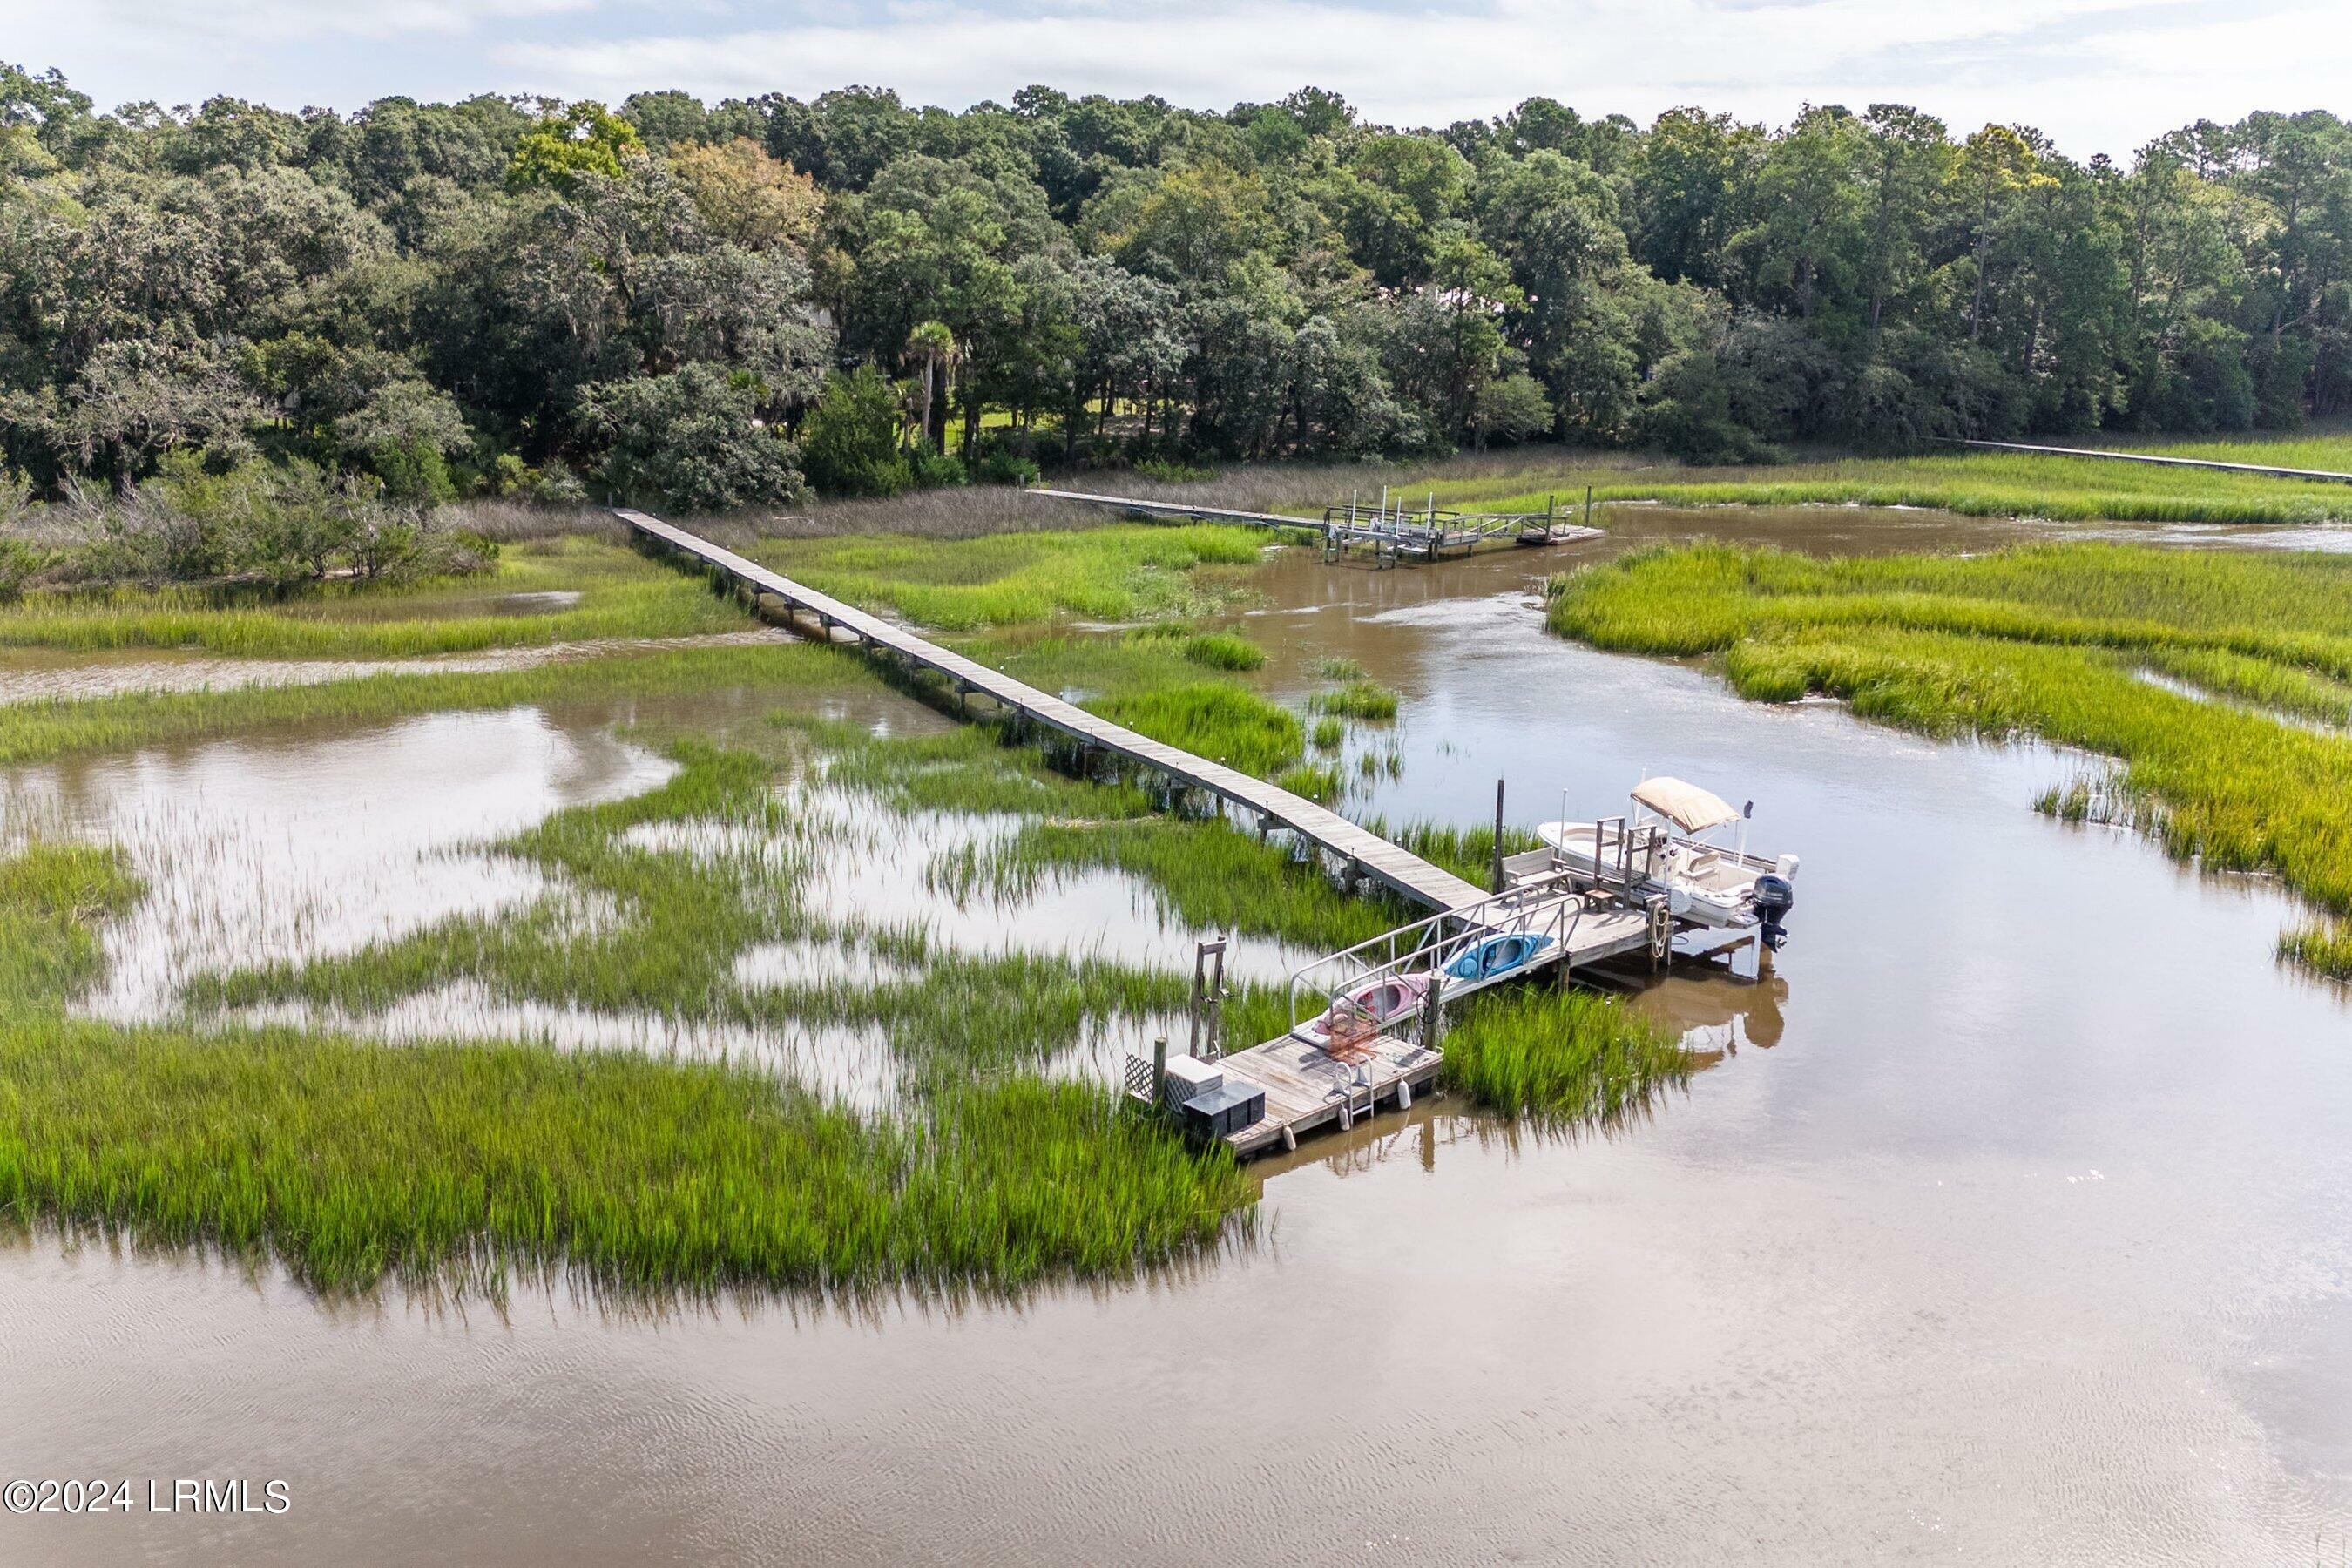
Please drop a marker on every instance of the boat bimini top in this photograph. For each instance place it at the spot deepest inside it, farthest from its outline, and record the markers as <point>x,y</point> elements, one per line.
<point>1687,806</point>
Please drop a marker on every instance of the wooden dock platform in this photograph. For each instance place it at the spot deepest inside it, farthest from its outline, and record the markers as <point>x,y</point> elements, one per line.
<point>1359,852</point>
<point>1389,538</point>
<point>1307,1088</point>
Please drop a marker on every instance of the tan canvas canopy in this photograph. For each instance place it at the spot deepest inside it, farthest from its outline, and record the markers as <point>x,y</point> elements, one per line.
<point>1686,806</point>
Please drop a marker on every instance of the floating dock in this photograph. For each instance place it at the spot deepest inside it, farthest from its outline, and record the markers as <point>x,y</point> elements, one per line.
<point>1388,535</point>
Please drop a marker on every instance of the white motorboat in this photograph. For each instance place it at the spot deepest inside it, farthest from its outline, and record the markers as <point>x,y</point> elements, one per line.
<point>1672,843</point>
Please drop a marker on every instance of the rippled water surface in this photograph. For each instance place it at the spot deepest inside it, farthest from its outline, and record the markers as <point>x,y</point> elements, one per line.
<point>2009,1226</point>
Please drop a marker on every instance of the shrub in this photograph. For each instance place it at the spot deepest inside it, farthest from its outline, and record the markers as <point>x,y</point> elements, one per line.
<point>850,440</point>
<point>1003,467</point>
<point>415,472</point>
<point>691,439</point>
<point>937,470</point>
<point>18,563</point>
<point>1170,471</point>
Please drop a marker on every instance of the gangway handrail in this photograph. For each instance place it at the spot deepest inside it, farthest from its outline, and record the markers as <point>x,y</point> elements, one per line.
<point>1555,892</point>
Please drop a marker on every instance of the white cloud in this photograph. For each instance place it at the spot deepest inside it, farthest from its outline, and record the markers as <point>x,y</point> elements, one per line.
<point>2099,75</point>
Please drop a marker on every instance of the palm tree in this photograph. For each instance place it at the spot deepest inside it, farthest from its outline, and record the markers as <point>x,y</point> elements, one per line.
<point>937,345</point>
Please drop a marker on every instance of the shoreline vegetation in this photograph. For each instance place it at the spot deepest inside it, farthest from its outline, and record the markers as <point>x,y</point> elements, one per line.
<point>2221,683</point>
<point>466,1163</point>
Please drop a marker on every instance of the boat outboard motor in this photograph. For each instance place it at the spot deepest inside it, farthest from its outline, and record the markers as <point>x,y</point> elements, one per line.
<point>1775,896</point>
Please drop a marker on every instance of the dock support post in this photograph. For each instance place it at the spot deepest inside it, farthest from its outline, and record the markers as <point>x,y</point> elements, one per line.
<point>1431,1003</point>
<point>1498,836</point>
<point>1160,1071</point>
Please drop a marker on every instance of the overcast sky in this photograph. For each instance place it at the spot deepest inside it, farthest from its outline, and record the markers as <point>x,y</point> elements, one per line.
<point>2098,75</point>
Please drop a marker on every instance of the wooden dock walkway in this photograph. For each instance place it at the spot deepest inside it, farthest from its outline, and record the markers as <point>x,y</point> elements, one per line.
<point>1306,1088</point>
<point>1182,508</point>
<point>1359,851</point>
<point>2323,476</point>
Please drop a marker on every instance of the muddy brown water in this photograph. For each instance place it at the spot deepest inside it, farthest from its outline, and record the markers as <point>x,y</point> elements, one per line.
<point>2009,1226</point>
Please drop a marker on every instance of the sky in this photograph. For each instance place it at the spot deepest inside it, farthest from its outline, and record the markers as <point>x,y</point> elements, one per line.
<point>2099,75</point>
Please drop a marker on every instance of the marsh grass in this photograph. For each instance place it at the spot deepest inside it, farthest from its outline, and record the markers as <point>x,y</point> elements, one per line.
<point>620,593</point>
<point>354,1162</point>
<point>1976,484</point>
<point>787,673</point>
<point>1122,572</point>
<point>1211,719</point>
<point>2324,948</point>
<point>2050,641</point>
<point>472,1160</point>
<point>1360,698</point>
<point>1467,852</point>
<point>1559,1056</point>
<point>469,1160</point>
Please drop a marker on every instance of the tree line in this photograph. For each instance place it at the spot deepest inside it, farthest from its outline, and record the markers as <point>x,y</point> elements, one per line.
<point>718,306</point>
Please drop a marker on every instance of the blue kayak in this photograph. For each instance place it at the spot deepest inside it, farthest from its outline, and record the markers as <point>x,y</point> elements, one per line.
<point>1486,957</point>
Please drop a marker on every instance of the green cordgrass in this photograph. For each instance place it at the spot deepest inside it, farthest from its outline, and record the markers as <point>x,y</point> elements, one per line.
<point>786,672</point>
<point>1977,484</point>
<point>2326,949</point>
<point>1209,874</point>
<point>1223,650</point>
<point>2051,640</point>
<point>1128,572</point>
<point>1317,782</point>
<point>1467,852</point>
<point>1357,700</point>
<point>1328,734</point>
<point>1559,1056</point>
<point>1212,720</point>
<point>622,594</point>
<point>467,1161</point>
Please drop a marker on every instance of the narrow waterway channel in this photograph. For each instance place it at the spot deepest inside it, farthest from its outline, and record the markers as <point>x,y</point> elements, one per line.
<point>2009,1226</point>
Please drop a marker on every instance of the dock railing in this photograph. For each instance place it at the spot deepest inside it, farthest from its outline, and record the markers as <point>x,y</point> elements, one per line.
<point>1548,905</point>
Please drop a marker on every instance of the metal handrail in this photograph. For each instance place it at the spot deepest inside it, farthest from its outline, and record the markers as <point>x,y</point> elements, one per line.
<point>1433,935</point>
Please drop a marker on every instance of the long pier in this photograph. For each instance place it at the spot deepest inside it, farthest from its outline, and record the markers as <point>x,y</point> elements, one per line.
<point>2323,476</point>
<point>1359,852</point>
<point>1563,921</point>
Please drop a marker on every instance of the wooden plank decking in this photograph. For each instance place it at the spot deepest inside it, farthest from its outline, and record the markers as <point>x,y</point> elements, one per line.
<point>1399,869</point>
<point>1308,1088</point>
<point>1182,508</point>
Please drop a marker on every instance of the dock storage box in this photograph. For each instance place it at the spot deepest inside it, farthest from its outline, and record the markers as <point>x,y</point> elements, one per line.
<point>1189,1077</point>
<point>1228,1108</point>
